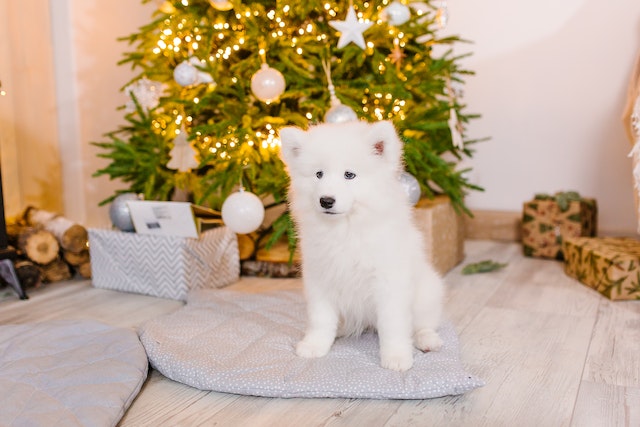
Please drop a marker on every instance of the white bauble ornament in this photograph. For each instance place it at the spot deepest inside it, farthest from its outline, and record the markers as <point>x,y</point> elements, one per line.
<point>185,74</point>
<point>221,4</point>
<point>267,84</point>
<point>396,13</point>
<point>411,187</point>
<point>188,74</point>
<point>340,113</point>
<point>243,212</point>
<point>119,211</point>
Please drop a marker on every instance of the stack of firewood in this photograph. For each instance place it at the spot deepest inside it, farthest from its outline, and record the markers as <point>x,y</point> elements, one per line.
<point>50,247</point>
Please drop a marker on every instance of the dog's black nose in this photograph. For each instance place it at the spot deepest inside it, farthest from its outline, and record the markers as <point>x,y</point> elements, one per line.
<point>327,202</point>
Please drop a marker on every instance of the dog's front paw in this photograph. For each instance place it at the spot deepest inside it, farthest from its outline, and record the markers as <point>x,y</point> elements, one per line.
<point>427,340</point>
<point>310,349</point>
<point>397,360</point>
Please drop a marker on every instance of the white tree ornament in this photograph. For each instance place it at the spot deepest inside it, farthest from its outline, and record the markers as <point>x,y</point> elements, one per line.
<point>351,29</point>
<point>183,156</point>
<point>454,127</point>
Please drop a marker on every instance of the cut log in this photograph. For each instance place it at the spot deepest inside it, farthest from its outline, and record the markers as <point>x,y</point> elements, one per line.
<point>76,259</point>
<point>71,236</point>
<point>270,269</point>
<point>13,232</point>
<point>38,244</point>
<point>246,246</point>
<point>28,273</point>
<point>56,271</point>
<point>84,270</point>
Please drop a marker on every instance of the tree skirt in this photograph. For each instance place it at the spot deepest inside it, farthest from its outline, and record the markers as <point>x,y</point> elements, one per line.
<point>68,373</point>
<point>234,342</point>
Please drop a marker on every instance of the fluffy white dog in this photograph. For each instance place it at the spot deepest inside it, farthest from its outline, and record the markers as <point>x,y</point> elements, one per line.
<point>363,258</point>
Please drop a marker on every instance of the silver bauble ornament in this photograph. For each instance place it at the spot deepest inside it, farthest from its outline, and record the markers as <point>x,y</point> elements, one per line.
<point>242,212</point>
<point>411,187</point>
<point>340,113</point>
<point>119,212</point>
<point>185,74</point>
<point>396,13</point>
<point>267,84</point>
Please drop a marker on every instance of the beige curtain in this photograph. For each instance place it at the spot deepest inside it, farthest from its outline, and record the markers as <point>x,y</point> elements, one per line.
<point>632,98</point>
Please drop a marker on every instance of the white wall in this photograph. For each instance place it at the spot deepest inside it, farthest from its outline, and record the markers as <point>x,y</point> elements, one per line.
<point>88,83</point>
<point>550,83</point>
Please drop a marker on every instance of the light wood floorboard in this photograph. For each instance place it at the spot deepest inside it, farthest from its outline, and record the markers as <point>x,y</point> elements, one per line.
<point>551,351</point>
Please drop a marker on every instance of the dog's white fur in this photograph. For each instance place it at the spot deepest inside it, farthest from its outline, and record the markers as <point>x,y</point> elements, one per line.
<point>363,258</point>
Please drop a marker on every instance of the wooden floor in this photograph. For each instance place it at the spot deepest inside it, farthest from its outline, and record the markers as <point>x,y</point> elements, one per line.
<point>551,351</point>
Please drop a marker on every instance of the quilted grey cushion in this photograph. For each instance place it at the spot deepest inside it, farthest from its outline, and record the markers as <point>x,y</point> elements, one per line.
<point>68,373</point>
<point>241,343</point>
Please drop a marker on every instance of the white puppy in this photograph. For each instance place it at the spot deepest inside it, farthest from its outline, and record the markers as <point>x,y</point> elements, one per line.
<point>363,258</point>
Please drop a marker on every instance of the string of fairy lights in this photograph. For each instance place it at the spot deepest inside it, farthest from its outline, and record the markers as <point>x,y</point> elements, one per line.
<point>201,47</point>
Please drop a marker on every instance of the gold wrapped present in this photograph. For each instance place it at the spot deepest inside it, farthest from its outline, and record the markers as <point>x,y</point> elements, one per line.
<point>443,231</point>
<point>610,265</point>
<point>547,220</point>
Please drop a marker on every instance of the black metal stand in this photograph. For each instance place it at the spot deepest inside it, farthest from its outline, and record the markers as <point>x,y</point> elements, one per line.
<point>7,271</point>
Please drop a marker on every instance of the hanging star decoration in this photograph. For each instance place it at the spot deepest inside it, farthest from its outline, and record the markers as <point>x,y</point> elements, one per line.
<point>397,55</point>
<point>351,29</point>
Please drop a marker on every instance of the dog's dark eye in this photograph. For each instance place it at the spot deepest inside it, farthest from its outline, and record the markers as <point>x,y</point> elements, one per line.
<point>319,174</point>
<point>349,175</point>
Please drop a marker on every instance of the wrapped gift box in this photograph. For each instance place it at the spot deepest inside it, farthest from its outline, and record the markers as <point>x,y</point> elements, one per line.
<point>443,231</point>
<point>609,265</point>
<point>546,222</point>
<point>163,266</point>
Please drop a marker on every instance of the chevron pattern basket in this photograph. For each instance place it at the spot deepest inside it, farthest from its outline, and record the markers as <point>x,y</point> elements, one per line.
<point>163,266</point>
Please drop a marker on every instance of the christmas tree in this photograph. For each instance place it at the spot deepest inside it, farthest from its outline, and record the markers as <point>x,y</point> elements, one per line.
<point>217,79</point>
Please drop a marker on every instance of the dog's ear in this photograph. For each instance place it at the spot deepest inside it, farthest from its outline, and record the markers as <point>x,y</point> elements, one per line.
<point>384,141</point>
<point>290,141</point>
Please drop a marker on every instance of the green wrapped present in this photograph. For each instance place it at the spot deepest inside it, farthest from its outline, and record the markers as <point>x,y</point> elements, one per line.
<point>610,265</point>
<point>547,220</point>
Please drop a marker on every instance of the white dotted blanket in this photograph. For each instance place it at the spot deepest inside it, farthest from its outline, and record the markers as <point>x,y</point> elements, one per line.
<point>68,373</point>
<point>241,343</point>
